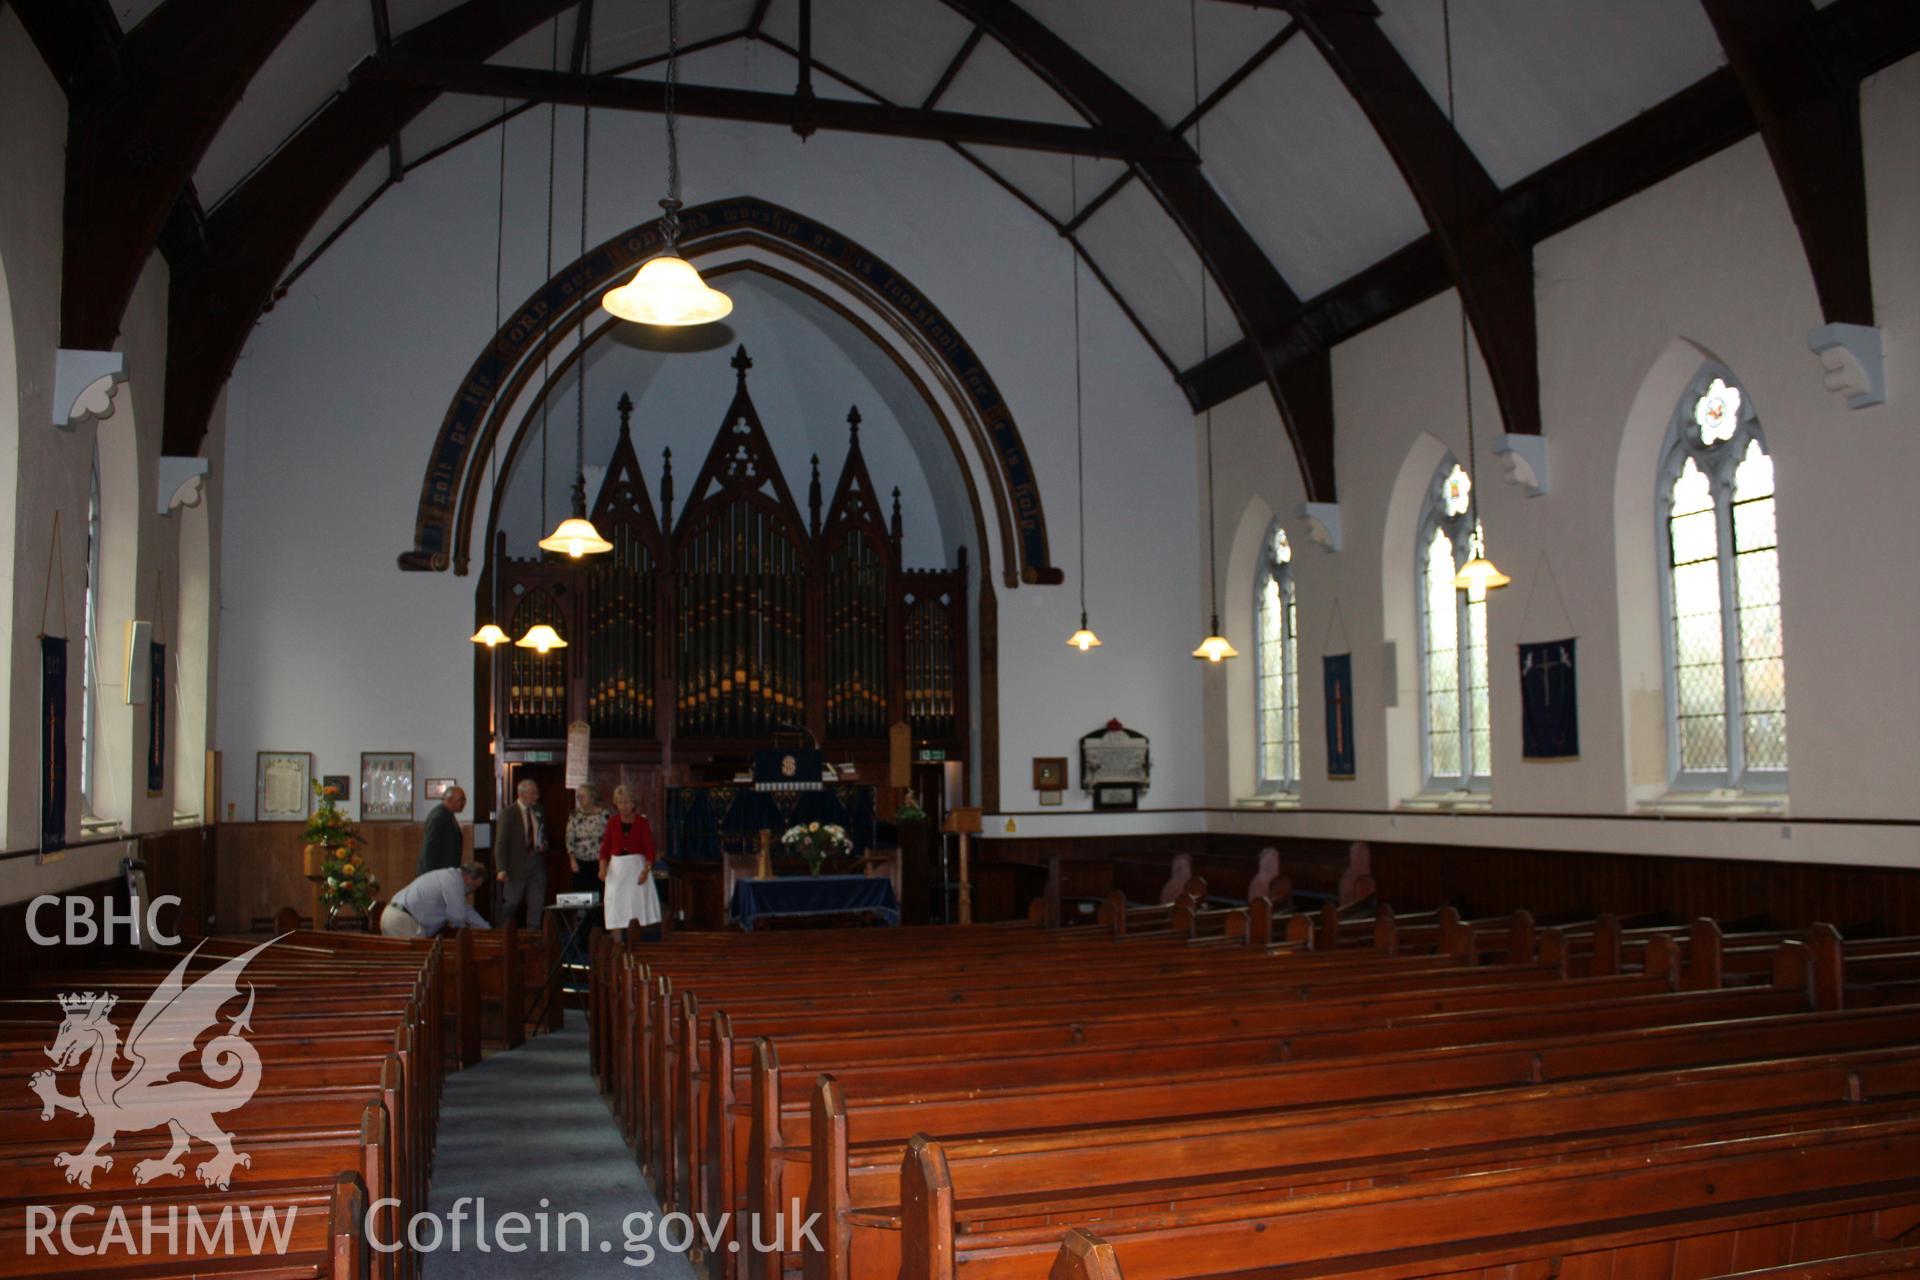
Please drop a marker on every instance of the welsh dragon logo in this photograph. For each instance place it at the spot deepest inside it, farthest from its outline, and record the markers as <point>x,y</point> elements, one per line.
<point>145,1096</point>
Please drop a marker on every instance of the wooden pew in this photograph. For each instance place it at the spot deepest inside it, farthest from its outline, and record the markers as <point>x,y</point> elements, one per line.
<point>347,1030</point>
<point>1716,1201</point>
<point>778,1172</point>
<point>1099,1173</point>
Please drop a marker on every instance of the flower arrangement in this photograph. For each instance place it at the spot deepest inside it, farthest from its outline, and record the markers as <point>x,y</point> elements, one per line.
<point>348,882</point>
<point>816,842</point>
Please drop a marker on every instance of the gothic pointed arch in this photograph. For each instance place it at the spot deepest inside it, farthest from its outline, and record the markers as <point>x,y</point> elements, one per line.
<point>745,233</point>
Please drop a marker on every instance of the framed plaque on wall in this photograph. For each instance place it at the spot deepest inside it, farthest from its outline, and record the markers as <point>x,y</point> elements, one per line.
<point>386,786</point>
<point>282,790</point>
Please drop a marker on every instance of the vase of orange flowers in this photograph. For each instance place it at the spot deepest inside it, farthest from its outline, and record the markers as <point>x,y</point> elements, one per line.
<point>347,883</point>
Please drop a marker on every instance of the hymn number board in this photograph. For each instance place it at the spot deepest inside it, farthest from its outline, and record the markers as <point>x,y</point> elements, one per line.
<point>738,618</point>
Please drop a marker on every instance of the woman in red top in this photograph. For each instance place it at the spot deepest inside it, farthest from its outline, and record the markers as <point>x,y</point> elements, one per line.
<point>626,865</point>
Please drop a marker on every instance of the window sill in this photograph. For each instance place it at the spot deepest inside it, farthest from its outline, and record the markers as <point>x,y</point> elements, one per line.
<point>1723,801</point>
<point>1280,802</point>
<point>98,828</point>
<point>1448,802</point>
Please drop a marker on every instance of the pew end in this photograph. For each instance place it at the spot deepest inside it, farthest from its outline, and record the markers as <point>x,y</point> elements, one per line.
<point>1084,1256</point>
<point>828,1193</point>
<point>926,1212</point>
<point>346,1229</point>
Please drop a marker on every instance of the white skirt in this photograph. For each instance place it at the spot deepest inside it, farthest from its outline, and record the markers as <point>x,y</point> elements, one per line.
<point>627,900</point>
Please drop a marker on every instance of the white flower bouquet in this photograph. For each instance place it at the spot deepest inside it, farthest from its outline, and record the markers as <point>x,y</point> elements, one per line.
<point>816,842</point>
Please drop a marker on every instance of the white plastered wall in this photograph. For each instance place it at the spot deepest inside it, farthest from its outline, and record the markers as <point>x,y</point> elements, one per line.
<point>1707,263</point>
<point>327,647</point>
<point>45,470</point>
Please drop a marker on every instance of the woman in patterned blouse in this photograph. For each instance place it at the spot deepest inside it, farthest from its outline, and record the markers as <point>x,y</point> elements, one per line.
<point>584,828</point>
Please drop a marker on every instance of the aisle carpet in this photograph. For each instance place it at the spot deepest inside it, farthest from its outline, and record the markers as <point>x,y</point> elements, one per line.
<point>527,1126</point>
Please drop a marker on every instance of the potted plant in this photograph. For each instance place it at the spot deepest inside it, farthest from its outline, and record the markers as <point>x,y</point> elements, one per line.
<point>347,883</point>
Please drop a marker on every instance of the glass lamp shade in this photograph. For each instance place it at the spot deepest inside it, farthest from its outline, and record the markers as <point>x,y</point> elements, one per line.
<point>1215,647</point>
<point>1479,576</point>
<point>541,639</point>
<point>490,635</point>
<point>667,291</point>
<point>577,537</point>
<point>1084,639</point>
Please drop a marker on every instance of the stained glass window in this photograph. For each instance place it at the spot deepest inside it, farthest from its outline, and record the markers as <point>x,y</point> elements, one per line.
<point>1454,692</point>
<point>1726,676</point>
<point>1276,668</point>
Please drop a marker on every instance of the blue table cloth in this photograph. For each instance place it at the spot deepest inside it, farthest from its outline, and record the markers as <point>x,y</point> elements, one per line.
<point>756,900</point>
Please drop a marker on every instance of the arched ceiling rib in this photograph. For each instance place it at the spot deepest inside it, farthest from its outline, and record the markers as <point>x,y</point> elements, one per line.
<point>1564,108</point>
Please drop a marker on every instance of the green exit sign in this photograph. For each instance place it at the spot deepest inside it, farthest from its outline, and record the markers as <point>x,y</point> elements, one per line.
<point>931,755</point>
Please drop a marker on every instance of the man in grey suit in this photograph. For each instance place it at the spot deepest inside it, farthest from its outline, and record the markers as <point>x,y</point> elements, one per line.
<point>440,841</point>
<point>520,854</point>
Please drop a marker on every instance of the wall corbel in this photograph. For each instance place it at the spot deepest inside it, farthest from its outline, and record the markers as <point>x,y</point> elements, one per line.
<point>1853,360</point>
<point>183,482</point>
<point>1323,523</point>
<point>85,384</point>
<point>1525,460</point>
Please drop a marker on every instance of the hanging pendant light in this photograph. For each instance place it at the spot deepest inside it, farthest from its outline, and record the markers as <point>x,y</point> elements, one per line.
<point>1214,648</point>
<point>666,290</point>
<point>576,536</point>
<point>541,639</point>
<point>1083,639</point>
<point>1478,575</point>
<point>490,633</point>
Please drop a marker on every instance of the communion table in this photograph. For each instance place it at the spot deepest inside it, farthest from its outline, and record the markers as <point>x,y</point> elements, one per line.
<point>791,897</point>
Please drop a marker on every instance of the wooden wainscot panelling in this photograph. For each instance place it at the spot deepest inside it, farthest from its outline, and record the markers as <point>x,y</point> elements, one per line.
<point>184,863</point>
<point>1420,877</point>
<point>261,868</point>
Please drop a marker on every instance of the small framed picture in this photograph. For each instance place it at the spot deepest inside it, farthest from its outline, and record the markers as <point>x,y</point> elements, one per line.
<point>1049,773</point>
<point>437,788</point>
<point>282,786</point>
<point>386,786</point>
<point>342,786</point>
<point>1052,799</point>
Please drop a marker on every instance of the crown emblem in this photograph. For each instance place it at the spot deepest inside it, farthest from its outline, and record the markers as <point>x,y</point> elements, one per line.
<point>82,1002</point>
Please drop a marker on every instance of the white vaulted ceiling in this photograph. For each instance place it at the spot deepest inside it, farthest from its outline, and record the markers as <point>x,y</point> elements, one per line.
<point>1287,147</point>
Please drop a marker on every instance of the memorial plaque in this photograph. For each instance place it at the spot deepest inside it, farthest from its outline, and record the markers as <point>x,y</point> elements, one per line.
<point>1115,766</point>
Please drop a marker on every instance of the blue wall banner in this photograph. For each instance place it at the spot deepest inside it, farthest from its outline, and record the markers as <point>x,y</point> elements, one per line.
<point>1549,702</point>
<point>157,721</point>
<point>53,743</point>
<point>1339,680</point>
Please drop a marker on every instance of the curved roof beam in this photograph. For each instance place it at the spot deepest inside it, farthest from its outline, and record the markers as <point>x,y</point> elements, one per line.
<point>254,232</point>
<point>1492,263</point>
<point>1808,108</point>
<point>1301,381</point>
<point>137,130</point>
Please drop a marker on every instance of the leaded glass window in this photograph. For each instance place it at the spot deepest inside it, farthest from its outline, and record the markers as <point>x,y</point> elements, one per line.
<point>1456,725</point>
<point>1726,666</point>
<point>1277,667</point>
